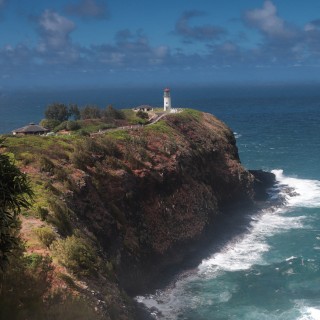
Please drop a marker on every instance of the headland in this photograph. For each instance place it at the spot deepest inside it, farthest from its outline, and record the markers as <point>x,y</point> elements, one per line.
<point>116,210</point>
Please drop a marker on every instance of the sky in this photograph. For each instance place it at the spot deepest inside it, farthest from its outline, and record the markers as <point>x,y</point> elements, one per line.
<point>77,43</point>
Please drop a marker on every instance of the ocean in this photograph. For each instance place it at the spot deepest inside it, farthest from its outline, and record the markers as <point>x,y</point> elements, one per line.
<point>271,269</point>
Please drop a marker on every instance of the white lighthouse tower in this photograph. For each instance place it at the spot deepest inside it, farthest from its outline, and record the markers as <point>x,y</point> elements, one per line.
<point>166,100</point>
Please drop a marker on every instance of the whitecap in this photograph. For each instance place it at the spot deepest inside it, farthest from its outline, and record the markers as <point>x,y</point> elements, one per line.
<point>309,313</point>
<point>301,192</point>
<point>241,253</point>
<point>248,249</point>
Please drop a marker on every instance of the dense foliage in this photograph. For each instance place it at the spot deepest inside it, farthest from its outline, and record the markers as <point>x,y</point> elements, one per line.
<point>59,116</point>
<point>15,194</point>
<point>57,111</point>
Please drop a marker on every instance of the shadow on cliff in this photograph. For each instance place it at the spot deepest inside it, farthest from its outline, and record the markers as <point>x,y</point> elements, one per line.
<point>232,222</point>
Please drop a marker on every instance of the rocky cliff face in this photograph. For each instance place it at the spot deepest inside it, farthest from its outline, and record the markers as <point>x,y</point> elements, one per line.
<point>170,182</point>
<point>142,197</point>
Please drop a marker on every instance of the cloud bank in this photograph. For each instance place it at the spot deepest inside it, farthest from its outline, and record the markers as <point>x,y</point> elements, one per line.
<point>88,9</point>
<point>202,33</point>
<point>55,55</point>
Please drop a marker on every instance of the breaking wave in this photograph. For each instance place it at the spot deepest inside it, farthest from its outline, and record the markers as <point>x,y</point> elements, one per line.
<point>194,289</point>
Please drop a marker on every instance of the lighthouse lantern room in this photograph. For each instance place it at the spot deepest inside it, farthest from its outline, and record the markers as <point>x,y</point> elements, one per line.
<point>166,100</point>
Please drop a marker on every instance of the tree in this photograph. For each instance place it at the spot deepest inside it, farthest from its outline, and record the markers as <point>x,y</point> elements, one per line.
<point>74,112</point>
<point>57,111</point>
<point>112,113</point>
<point>90,112</point>
<point>49,123</point>
<point>15,194</point>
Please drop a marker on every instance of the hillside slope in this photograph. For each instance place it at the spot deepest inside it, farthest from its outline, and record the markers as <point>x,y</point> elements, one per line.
<point>135,200</point>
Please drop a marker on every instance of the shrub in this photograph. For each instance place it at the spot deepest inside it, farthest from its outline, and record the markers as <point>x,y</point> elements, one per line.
<point>46,165</point>
<point>61,173</point>
<point>73,125</point>
<point>105,126</point>
<point>67,279</point>
<point>75,254</point>
<point>46,235</point>
<point>27,158</point>
<point>49,123</point>
<point>89,151</point>
<point>143,115</point>
<point>61,126</point>
<point>112,113</point>
<point>15,195</point>
<point>42,213</point>
<point>138,120</point>
<point>67,307</point>
<point>23,287</point>
<point>60,217</point>
<point>83,133</point>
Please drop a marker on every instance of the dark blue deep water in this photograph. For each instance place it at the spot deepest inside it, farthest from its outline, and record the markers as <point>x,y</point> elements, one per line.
<point>272,270</point>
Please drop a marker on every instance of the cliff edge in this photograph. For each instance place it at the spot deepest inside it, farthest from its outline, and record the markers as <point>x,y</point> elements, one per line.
<point>139,197</point>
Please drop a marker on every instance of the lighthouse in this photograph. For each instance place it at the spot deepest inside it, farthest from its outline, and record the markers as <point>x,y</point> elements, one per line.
<point>166,100</point>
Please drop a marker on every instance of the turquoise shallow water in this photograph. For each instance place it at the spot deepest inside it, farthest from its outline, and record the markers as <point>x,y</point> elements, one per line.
<point>272,270</point>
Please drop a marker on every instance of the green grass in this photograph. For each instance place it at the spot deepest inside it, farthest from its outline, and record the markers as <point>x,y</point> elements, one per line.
<point>129,114</point>
<point>41,194</point>
<point>76,254</point>
<point>132,117</point>
<point>159,127</point>
<point>19,144</point>
<point>190,113</point>
<point>119,134</point>
<point>158,110</point>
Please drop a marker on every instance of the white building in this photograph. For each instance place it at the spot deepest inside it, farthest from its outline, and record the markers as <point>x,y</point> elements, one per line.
<point>166,100</point>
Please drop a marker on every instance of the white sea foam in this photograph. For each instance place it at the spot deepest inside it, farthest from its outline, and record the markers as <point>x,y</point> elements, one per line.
<point>248,249</point>
<point>237,135</point>
<point>244,251</point>
<point>305,193</point>
<point>309,313</point>
<point>240,253</point>
<point>169,303</point>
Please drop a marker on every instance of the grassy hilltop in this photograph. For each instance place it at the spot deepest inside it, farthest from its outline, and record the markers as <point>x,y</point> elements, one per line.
<point>112,210</point>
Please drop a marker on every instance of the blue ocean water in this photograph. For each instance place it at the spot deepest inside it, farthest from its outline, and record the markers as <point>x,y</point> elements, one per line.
<point>272,270</point>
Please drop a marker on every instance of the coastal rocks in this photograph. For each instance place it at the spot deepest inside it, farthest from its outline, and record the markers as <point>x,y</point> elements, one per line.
<point>262,181</point>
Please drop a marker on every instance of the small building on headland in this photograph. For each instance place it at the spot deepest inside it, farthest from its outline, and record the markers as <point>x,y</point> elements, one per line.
<point>30,129</point>
<point>144,108</point>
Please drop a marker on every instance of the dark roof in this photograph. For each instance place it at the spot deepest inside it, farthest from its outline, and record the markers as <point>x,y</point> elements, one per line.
<point>31,128</point>
<point>144,106</point>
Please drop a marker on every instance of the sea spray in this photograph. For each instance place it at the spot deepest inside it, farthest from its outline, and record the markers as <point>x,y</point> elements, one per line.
<point>216,285</point>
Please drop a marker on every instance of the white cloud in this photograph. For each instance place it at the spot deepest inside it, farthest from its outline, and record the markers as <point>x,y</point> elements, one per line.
<point>55,31</point>
<point>129,50</point>
<point>199,33</point>
<point>267,20</point>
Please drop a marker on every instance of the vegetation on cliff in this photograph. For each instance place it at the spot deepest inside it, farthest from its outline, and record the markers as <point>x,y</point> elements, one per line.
<point>113,209</point>
<point>89,118</point>
<point>25,277</point>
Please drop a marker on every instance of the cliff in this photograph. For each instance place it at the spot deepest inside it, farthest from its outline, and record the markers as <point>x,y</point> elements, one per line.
<point>139,198</point>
